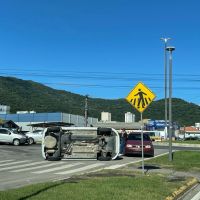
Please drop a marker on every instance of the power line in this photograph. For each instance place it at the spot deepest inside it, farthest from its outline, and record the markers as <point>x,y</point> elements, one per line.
<point>102,77</point>
<point>114,86</point>
<point>92,72</point>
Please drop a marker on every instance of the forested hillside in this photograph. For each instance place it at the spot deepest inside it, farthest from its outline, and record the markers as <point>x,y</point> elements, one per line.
<point>29,95</point>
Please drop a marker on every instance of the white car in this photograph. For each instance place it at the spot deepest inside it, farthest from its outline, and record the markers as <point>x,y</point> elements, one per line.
<point>35,136</point>
<point>12,137</point>
<point>80,143</point>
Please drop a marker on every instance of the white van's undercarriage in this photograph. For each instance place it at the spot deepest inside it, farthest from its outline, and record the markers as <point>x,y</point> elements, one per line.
<point>80,143</point>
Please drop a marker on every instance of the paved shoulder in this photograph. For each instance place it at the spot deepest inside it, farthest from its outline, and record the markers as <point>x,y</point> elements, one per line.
<point>193,194</point>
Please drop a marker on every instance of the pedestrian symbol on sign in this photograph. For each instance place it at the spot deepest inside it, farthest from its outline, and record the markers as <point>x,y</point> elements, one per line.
<point>140,97</point>
<point>141,100</point>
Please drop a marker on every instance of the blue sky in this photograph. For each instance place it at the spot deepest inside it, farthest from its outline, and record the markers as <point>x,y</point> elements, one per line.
<point>102,48</point>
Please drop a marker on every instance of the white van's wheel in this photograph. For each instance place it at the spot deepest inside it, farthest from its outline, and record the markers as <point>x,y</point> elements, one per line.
<point>30,140</point>
<point>16,142</point>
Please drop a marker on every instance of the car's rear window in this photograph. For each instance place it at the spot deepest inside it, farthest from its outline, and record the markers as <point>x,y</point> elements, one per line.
<point>133,136</point>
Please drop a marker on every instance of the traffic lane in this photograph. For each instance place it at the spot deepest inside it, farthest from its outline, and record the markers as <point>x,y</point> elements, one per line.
<point>34,152</point>
<point>20,152</point>
<point>11,178</point>
<point>24,165</point>
<point>17,177</point>
<point>13,174</point>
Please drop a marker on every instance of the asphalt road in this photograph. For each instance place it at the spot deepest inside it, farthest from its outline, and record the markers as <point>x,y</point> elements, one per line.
<point>23,165</point>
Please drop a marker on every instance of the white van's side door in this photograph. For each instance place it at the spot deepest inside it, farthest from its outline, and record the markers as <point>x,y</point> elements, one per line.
<point>5,135</point>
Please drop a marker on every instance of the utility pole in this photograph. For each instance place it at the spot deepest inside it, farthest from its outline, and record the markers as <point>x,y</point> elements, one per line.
<point>170,49</point>
<point>86,110</point>
<point>165,77</point>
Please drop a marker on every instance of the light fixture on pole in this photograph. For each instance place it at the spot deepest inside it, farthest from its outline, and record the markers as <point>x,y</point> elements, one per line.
<point>170,49</point>
<point>165,78</point>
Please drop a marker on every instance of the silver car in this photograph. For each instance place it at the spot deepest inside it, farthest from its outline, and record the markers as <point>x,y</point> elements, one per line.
<point>12,137</point>
<point>35,136</point>
<point>80,143</point>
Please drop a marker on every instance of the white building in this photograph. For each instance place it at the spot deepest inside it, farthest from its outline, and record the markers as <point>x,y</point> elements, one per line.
<point>22,112</point>
<point>25,112</point>
<point>197,125</point>
<point>4,109</point>
<point>129,117</point>
<point>105,116</point>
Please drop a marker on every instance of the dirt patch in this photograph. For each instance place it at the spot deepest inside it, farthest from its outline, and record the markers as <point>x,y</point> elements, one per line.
<point>111,174</point>
<point>107,173</point>
<point>176,178</point>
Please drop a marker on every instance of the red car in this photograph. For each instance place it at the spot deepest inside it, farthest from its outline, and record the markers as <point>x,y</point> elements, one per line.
<point>134,147</point>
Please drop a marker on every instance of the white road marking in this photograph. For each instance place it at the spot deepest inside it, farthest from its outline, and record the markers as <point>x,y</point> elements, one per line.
<point>81,169</point>
<point>132,162</point>
<point>5,161</point>
<point>56,168</point>
<point>21,166</point>
<point>85,159</point>
<point>13,163</point>
<point>137,161</point>
<point>196,197</point>
<point>115,166</point>
<point>38,167</point>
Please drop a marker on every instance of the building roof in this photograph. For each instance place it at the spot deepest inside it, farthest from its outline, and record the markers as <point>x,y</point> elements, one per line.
<point>50,124</point>
<point>119,125</point>
<point>189,129</point>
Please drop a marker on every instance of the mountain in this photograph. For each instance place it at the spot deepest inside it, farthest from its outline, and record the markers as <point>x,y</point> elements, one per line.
<point>29,95</point>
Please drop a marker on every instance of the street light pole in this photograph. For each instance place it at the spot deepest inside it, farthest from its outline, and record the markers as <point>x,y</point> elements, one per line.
<point>170,49</point>
<point>86,110</point>
<point>165,77</point>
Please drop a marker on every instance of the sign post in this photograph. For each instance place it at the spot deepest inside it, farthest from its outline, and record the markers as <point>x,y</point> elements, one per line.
<point>142,141</point>
<point>140,98</point>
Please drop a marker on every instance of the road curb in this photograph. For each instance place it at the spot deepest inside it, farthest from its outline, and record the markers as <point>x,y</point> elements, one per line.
<point>177,193</point>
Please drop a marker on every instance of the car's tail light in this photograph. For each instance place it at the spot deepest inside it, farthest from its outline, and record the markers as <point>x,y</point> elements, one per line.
<point>128,145</point>
<point>148,146</point>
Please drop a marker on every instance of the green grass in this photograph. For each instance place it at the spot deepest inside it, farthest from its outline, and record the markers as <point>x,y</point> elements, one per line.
<point>104,186</point>
<point>187,141</point>
<point>183,141</point>
<point>182,161</point>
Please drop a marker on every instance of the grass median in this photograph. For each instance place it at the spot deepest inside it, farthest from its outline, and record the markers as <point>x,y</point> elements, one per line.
<point>182,161</point>
<point>187,141</point>
<point>182,141</point>
<point>111,184</point>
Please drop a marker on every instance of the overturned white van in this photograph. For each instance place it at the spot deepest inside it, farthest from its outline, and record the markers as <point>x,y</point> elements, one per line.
<point>80,143</point>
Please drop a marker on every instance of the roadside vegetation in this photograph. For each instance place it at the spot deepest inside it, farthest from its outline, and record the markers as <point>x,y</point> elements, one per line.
<point>29,95</point>
<point>187,141</point>
<point>113,185</point>
<point>182,141</point>
<point>182,161</point>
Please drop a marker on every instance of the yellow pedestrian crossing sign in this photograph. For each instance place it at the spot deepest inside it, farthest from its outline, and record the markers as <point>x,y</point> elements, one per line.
<point>140,97</point>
